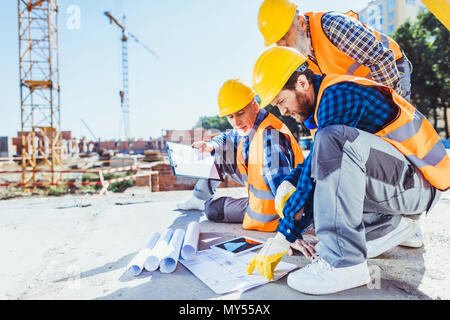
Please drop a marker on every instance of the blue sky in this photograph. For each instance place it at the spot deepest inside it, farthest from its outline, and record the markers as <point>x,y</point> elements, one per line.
<point>200,44</point>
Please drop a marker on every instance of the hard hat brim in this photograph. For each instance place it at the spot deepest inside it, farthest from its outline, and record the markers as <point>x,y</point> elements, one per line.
<point>228,111</point>
<point>277,89</point>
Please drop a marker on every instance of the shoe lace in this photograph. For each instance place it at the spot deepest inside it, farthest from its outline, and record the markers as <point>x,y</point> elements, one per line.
<point>318,265</point>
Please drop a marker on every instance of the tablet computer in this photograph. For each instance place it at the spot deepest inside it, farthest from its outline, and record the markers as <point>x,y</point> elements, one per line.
<point>238,245</point>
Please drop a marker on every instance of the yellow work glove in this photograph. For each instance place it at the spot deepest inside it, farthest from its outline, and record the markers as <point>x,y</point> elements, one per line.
<point>284,191</point>
<point>269,256</point>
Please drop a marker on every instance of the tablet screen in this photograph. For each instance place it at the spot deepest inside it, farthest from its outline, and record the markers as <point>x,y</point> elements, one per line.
<point>238,245</point>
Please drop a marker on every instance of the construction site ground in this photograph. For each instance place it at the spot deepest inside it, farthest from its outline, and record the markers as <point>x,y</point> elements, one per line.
<point>78,247</point>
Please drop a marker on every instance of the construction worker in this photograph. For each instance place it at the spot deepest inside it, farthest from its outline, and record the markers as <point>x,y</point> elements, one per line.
<point>337,43</point>
<point>258,153</point>
<point>373,154</point>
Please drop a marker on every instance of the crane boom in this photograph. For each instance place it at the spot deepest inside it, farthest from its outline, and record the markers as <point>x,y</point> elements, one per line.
<point>112,19</point>
<point>127,33</point>
<point>89,129</point>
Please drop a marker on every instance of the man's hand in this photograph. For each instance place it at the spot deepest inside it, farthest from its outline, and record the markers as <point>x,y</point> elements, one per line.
<point>203,146</point>
<point>269,256</point>
<point>303,246</point>
<point>284,191</point>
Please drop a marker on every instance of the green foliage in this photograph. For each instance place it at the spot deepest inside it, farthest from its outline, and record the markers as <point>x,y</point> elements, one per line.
<point>57,191</point>
<point>9,193</point>
<point>215,122</point>
<point>121,186</point>
<point>87,177</point>
<point>109,176</point>
<point>426,44</point>
<point>222,124</point>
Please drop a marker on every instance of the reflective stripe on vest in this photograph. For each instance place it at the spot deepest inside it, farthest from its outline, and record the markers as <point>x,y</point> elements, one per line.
<point>261,194</point>
<point>331,60</point>
<point>261,213</point>
<point>411,133</point>
<point>261,217</point>
<point>433,157</point>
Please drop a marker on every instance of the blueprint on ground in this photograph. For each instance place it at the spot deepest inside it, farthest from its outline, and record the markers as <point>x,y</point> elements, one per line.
<point>225,273</point>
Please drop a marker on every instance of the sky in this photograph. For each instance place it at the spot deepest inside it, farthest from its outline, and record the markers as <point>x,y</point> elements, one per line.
<point>200,44</point>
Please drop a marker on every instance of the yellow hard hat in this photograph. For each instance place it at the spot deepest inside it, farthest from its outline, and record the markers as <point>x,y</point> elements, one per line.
<point>273,69</point>
<point>275,18</point>
<point>234,96</point>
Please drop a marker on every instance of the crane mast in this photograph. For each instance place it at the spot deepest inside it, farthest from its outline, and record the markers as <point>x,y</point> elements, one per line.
<point>124,93</point>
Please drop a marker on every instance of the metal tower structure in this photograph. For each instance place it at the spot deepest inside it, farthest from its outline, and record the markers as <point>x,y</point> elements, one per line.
<point>124,94</point>
<point>39,90</point>
<point>124,101</point>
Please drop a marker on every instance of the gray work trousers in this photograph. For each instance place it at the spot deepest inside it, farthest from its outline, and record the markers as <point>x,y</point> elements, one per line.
<point>363,186</point>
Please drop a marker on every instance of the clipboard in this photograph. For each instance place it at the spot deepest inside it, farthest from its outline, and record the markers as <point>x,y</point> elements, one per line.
<point>191,163</point>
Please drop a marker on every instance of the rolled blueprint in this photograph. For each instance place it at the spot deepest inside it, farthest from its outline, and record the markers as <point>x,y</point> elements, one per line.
<point>152,262</point>
<point>136,265</point>
<point>190,244</point>
<point>170,259</point>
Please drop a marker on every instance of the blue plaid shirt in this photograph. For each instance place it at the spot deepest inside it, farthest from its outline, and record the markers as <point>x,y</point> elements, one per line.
<point>345,103</point>
<point>278,155</point>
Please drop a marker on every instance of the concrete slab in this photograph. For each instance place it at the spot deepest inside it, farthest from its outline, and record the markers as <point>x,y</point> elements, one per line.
<point>78,248</point>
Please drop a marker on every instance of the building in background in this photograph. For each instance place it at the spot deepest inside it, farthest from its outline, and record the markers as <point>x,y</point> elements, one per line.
<point>386,16</point>
<point>7,148</point>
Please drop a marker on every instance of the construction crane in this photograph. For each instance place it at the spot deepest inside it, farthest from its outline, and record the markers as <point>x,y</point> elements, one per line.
<point>89,129</point>
<point>124,98</point>
<point>40,132</point>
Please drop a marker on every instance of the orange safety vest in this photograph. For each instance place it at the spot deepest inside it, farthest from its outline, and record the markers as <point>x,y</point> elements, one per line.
<point>332,60</point>
<point>261,214</point>
<point>410,132</point>
<point>314,67</point>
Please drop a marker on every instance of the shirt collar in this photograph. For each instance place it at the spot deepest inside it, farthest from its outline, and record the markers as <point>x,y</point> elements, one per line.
<point>310,123</point>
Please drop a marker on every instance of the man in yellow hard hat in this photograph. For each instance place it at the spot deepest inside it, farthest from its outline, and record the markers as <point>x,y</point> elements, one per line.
<point>336,43</point>
<point>258,153</point>
<point>375,166</point>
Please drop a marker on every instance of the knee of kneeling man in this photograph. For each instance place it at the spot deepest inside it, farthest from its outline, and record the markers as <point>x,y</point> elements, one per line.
<point>213,210</point>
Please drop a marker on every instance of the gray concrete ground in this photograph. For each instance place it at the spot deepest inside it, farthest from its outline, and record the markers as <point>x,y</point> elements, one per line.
<point>78,248</point>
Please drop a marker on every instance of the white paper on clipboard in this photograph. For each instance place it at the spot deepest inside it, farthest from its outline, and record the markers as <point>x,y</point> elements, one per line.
<point>189,162</point>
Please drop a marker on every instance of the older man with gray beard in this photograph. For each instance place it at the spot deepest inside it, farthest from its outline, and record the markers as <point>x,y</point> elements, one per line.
<point>337,43</point>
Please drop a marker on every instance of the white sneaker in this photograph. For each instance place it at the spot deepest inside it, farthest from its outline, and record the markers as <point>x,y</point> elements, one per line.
<point>319,277</point>
<point>192,204</point>
<point>403,232</point>
<point>416,241</point>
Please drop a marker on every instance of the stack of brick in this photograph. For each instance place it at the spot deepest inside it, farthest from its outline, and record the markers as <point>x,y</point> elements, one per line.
<point>152,156</point>
<point>165,177</point>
